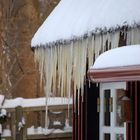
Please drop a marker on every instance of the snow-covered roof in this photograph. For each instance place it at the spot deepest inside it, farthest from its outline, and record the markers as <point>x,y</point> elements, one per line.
<point>118,57</point>
<point>119,64</point>
<point>72,19</point>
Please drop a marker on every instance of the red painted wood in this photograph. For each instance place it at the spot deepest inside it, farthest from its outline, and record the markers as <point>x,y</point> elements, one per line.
<point>126,73</point>
<point>82,107</point>
<point>131,125</point>
<point>136,115</point>
<point>79,116</point>
<point>127,125</point>
<point>73,119</point>
<point>76,117</point>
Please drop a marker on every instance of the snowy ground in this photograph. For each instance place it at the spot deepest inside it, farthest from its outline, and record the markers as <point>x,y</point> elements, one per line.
<point>39,130</point>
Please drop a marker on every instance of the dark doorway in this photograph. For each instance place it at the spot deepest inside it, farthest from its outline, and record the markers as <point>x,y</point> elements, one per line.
<point>92,116</point>
<point>133,92</point>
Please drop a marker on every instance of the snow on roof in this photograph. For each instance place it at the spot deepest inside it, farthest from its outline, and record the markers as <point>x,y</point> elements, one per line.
<point>75,18</point>
<point>118,57</point>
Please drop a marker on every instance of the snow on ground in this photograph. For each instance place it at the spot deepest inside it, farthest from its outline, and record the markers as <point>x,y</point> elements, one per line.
<point>74,18</point>
<point>123,56</point>
<point>6,133</point>
<point>39,130</point>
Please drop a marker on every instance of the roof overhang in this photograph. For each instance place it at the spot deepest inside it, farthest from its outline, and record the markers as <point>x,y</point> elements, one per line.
<point>68,21</point>
<point>126,73</point>
<point>119,64</point>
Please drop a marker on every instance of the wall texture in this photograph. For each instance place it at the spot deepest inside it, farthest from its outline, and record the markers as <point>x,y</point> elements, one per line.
<point>19,20</point>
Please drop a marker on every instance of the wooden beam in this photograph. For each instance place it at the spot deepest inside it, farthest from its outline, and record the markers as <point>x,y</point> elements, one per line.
<point>41,108</point>
<point>56,136</point>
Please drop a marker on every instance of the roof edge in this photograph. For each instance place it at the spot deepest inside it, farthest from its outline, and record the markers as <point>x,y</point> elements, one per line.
<point>125,73</point>
<point>125,27</point>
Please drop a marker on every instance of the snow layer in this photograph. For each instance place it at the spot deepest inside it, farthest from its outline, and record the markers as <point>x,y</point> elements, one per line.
<point>32,130</point>
<point>12,103</point>
<point>123,56</point>
<point>74,18</point>
<point>1,99</point>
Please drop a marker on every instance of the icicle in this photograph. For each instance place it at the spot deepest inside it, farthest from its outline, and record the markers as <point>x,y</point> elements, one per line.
<point>115,39</point>
<point>59,68</point>
<point>69,75</point>
<point>98,45</point>
<point>84,62</point>
<point>109,36</point>
<point>138,36</point>
<point>104,36</point>
<point>78,92</point>
<point>79,67</point>
<point>75,50</point>
<point>65,70</point>
<point>39,58</point>
<point>133,36</point>
<point>128,39</point>
<point>54,71</point>
<point>46,111</point>
<point>62,73</point>
<point>90,51</point>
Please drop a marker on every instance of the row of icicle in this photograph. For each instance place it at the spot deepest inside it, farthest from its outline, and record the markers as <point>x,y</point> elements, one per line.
<point>63,67</point>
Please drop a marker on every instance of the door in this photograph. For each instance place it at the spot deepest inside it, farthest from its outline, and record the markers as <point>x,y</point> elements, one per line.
<point>111,126</point>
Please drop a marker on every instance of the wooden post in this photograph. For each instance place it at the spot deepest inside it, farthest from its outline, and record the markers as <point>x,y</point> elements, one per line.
<point>42,118</point>
<point>13,126</point>
<point>24,129</point>
<point>20,130</point>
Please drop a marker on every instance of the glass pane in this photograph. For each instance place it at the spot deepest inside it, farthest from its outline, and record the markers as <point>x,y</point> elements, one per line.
<point>119,116</point>
<point>106,136</point>
<point>106,107</point>
<point>119,137</point>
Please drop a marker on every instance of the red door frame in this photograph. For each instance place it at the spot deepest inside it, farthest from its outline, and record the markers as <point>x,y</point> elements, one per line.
<point>133,94</point>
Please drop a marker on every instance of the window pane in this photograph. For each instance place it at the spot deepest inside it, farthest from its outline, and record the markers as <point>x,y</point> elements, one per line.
<point>106,108</point>
<point>119,137</point>
<point>119,116</point>
<point>106,136</point>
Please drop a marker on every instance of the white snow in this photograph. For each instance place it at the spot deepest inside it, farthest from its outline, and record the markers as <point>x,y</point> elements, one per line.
<point>3,112</point>
<point>125,98</point>
<point>40,130</point>
<point>123,56</point>
<point>12,103</point>
<point>6,133</point>
<point>74,18</point>
<point>1,99</point>
<point>0,129</point>
<point>56,123</point>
